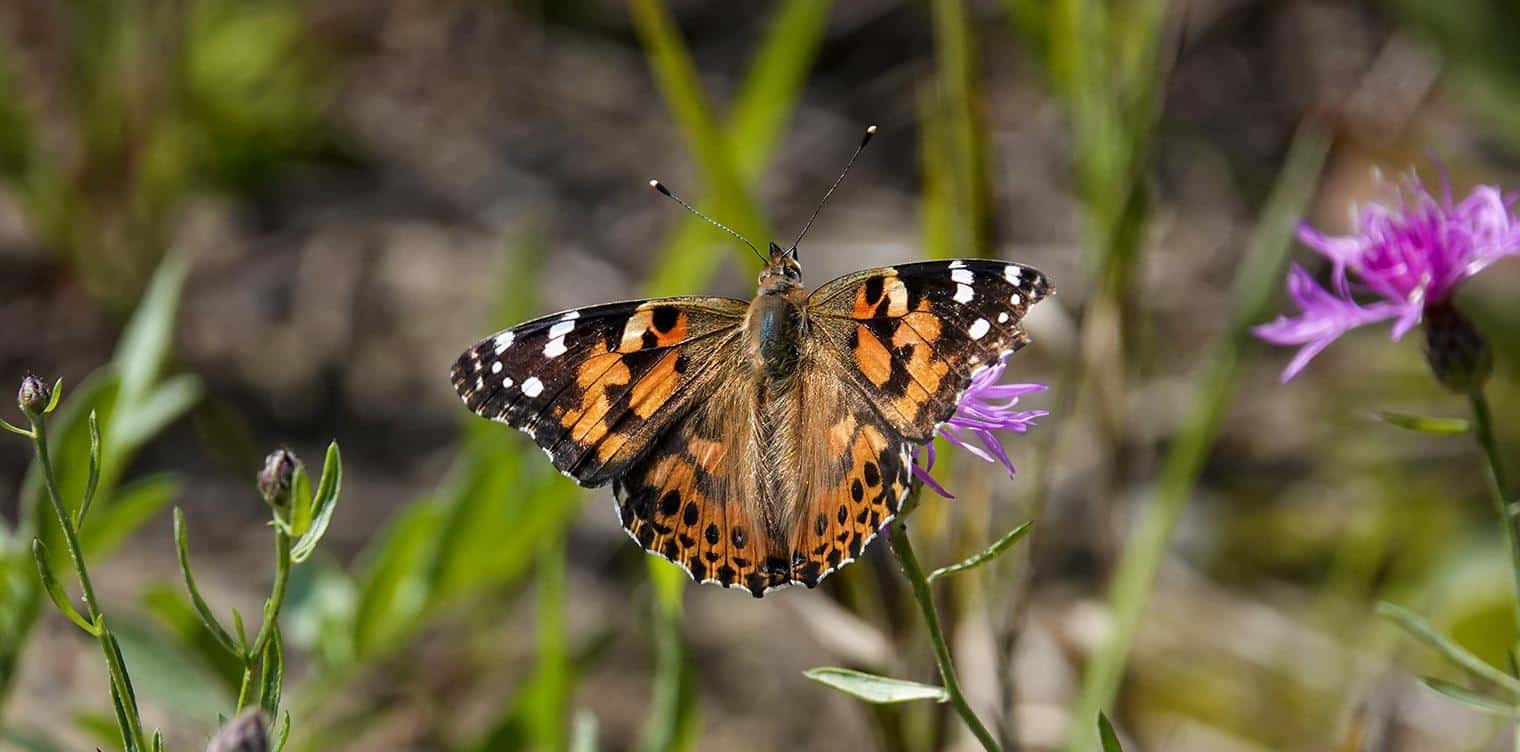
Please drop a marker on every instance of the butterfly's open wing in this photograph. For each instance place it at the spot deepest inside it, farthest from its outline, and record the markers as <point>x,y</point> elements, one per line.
<point>894,350</point>
<point>695,497</point>
<point>594,386</point>
<point>910,337</point>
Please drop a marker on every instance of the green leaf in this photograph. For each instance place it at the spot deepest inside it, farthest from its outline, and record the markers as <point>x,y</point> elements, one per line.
<point>131,507</point>
<point>765,103</point>
<point>1107,736</point>
<point>1425,424</point>
<point>284,733</point>
<point>879,690</point>
<point>1471,699</point>
<point>53,398</point>
<point>241,631</point>
<point>1422,631</point>
<point>393,592</point>
<point>93,480</point>
<point>145,343</point>
<point>55,591</point>
<point>173,611</point>
<point>208,617</point>
<point>18,431</point>
<point>985,555</point>
<point>301,499</point>
<point>138,421</point>
<point>324,502</point>
<point>174,677</point>
<point>104,730</point>
<point>677,78</point>
<point>272,674</point>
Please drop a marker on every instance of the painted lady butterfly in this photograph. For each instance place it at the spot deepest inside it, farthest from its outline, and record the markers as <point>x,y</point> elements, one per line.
<point>763,443</point>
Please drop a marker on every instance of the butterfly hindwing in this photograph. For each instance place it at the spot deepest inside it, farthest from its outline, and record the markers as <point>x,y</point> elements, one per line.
<point>911,336</point>
<point>695,497</point>
<point>594,386</point>
<point>854,471</point>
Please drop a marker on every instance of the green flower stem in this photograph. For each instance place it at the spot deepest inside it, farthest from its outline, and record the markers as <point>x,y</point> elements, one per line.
<point>133,733</point>
<point>903,550</point>
<point>276,595</point>
<point>1498,484</point>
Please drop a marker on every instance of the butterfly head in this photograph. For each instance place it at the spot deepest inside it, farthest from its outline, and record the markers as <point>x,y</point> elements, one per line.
<point>782,271</point>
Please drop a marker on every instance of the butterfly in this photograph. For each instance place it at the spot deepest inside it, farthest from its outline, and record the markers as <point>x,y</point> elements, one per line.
<point>762,443</point>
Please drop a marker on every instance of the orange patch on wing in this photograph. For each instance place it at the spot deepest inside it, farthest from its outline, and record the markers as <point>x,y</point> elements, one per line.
<point>708,454</point>
<point>595,377</point>
<point>656,387</point>
<point>871,357</point>
<point>644,322</point>
<point>840,435</point>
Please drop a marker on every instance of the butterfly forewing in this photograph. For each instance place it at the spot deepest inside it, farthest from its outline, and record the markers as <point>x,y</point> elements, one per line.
<point>594,386</point>
<point>911,336</point>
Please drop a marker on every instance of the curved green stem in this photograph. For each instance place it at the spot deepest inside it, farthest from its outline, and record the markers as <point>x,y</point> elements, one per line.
<point>276,595</point>
<point>1498,484</point>
<point>902,548</point>
<point>132,732</point>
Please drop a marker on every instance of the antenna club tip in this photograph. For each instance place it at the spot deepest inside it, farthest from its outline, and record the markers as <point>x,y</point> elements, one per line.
<point>870,130</point>
<point>657,185</point>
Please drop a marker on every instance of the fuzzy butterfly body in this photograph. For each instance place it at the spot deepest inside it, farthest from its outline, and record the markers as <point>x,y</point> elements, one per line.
<point>764,443</point>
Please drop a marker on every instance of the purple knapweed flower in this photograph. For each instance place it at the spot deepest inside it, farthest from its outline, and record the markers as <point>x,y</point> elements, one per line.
<point>986,406</point>
<point>1406,259</point>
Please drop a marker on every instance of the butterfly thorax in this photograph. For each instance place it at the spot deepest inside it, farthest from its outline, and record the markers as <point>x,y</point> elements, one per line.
<point>775,321</point>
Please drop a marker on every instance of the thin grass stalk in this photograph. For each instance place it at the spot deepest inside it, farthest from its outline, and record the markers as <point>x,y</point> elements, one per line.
<point>1135,574</point>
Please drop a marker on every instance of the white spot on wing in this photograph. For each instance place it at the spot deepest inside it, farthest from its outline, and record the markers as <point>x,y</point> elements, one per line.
<point>1012,274</point>
<point>979,328</point>
<point>556,346</point>
<point>957,264</point>
<point>570,316</point>
<point>963,276</point>
<point>496,367</point>
<point>1015,299</point>
<point>964,293</point>
<point>504,341</point>
<point>533,387</point>
<point>507,383</point>
<point>1003,318</point>
<point>562,328</point>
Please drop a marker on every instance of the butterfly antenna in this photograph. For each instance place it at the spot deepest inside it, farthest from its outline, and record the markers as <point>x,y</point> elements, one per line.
<point>866,139</point>
<point>657,185</point>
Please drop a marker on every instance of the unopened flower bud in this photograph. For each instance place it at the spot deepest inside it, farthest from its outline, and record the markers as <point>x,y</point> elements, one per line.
<point>33,396</point>
<point>276,477</point>
<point>1456,351</point>
<point>245,733</point>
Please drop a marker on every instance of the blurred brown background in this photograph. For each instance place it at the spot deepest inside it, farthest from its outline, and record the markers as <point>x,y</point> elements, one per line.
<point>364,189</point>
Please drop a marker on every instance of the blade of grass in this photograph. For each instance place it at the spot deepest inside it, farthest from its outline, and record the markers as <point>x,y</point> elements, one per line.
<point>676,75</point>
<point>964,130</point>
<point>1255,283</point>
<point>765,103</point>
<point>1417,628</point>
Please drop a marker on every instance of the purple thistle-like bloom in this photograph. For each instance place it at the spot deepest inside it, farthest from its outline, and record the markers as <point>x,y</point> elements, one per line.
<point>1411,257</point>
<point>985,407</point>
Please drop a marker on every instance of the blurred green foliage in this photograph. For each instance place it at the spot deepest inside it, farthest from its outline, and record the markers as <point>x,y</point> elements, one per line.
<point>162,100</point>
<point>135,401</point>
